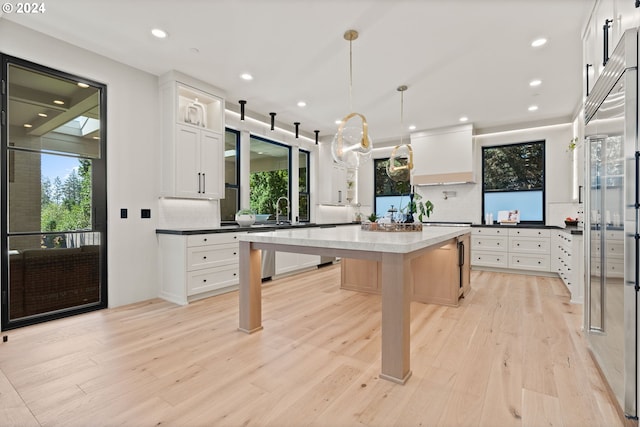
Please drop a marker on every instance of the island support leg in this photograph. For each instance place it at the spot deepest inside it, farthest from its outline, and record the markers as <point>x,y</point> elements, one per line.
<point>250,289</point>
<point>396,318</point>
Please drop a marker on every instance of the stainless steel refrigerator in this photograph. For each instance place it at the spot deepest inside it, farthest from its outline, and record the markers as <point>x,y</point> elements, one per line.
<point>611,221</point>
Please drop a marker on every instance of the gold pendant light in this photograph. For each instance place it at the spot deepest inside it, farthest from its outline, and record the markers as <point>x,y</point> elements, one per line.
<point>401,160</point>
<point>351,145</point>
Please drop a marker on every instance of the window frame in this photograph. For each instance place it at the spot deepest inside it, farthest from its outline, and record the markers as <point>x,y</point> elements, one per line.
<point>308,180</point>
<point>542,142</point>
<point>375,184</point>
<point>289,174</point>
<point>238,175</point>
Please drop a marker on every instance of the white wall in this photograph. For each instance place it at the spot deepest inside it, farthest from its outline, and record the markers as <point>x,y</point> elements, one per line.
<point>466,205</point>
<point>132,155</point>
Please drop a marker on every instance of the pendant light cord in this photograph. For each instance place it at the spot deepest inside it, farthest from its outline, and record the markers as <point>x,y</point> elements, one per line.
<point>350,76</point>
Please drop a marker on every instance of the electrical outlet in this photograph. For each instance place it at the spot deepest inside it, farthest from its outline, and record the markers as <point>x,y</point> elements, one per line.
<point>123,213</point>
<point>145,213</point>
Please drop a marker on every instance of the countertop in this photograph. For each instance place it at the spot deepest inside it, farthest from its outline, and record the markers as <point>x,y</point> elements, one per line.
<point>256,228</point>
<point>234,228</point>
<point>354,238</point>
<point>569,229</point>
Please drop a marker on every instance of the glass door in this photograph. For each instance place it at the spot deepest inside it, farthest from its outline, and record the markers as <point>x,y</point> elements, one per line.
<point>53,194</point>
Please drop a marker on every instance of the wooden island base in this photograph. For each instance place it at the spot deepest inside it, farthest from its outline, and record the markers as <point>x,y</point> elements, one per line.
<point>435,276</point>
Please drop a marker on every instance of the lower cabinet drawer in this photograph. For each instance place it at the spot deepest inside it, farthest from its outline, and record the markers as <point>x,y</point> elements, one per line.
<point>213,278</point>
<point>529,262</point>
<point>211,256</point>
<point>489,259</point>
<point>529,244</point>
<point>490,243</point>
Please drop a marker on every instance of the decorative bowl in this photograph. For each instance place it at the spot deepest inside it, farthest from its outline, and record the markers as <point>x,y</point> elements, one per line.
<point>245,219</point>
<point>262,217</point>
<point>570,223</point>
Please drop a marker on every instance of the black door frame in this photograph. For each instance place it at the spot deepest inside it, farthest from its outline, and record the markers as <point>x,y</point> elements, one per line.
<point>99,197</point>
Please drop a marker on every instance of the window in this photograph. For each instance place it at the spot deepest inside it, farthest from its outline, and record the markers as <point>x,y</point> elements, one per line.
<point>231,202</point>
<point>303,186</point>
<point>269,176</point>
<point>513,178</point>
<point>388,194</point>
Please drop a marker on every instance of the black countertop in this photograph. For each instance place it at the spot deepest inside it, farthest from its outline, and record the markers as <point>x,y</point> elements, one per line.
<point>234,228</point>
<point>569,229</point>
<point>256,228</point>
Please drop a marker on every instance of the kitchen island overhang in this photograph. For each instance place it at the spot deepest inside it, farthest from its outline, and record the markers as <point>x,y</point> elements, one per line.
<point>394,251</point>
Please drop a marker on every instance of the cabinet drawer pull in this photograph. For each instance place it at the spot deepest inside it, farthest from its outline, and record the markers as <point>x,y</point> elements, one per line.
<point>204,280</point>
<point>235,253</point>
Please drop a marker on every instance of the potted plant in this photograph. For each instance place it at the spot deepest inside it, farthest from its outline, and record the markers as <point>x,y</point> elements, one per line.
<point>416,205</point>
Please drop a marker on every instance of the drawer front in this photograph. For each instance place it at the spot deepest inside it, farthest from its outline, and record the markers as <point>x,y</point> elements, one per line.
<point>529,232</point>
<point>529,262</point>
<point>529,245</point>
<point>489,259</point>
<point>200,257</point>
<point>211,239</point>
<point>211,279</point>
<point>490,243</point>
<point>488,231</point>
<point>615,249</point>
<point>615,268</point>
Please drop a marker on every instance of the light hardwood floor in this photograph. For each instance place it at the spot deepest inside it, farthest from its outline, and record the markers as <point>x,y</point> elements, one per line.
<point>512,354</point>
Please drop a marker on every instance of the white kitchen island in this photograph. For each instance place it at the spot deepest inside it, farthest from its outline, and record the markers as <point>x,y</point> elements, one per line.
<point>394,250</point>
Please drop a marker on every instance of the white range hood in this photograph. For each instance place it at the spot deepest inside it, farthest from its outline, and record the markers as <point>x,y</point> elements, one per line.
<point>443,156</point>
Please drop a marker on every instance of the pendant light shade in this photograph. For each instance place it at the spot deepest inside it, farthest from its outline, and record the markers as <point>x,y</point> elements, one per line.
<point>297,125</point>
<point>351,145</point>
<point>317,132</point>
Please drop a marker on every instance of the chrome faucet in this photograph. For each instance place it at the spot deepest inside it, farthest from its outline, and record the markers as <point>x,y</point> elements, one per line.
<point>278,212</point>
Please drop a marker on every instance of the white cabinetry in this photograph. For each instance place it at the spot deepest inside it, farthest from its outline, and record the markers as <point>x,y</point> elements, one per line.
<point>529,249</point>
<point>489,247</point>
<point>192,124</point>
<point>289,262</point>
<point>332,182</point>
<point>623,15</point>
<point>520,249</point>
<point>197,266</point>
<point>568,262</point>
<point>443,155</point>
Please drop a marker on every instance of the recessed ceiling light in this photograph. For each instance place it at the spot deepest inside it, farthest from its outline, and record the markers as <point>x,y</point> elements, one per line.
<point>538,42</point>
<point>58,101</point>
<point>246,76</point>
<point>463,118</point>
<point>338,121</point>
<point>533,108</point>
<point>302,104</point>
<point>27,125</point>
<point>412,127</point>
<point>83,85</point>
<point>42,114</point>
<point>535,82</point>
<point>159,33</point>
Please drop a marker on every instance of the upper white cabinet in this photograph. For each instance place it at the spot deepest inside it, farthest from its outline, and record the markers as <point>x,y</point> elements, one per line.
<point>443,156</point>
<point>332,182</point>
<point>192,124</point>
<point>618,16</point>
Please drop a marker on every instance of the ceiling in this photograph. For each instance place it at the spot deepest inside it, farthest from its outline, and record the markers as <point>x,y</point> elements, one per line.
<point>458,58</point>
